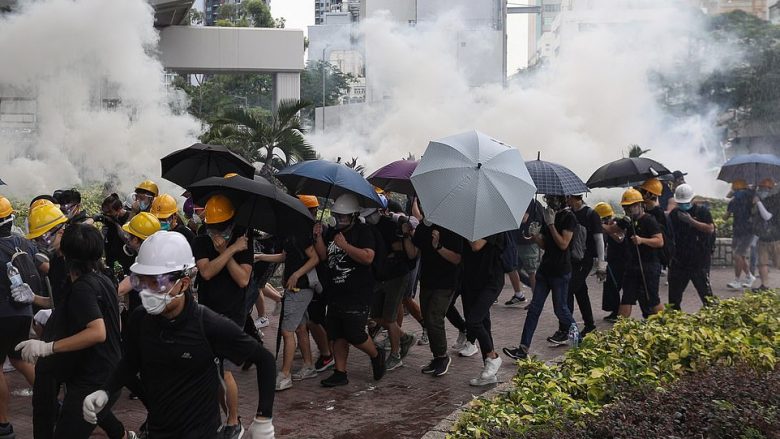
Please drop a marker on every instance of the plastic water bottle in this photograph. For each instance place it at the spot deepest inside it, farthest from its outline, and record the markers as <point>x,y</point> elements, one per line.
<point>13,275</point>
<point>574,335</point>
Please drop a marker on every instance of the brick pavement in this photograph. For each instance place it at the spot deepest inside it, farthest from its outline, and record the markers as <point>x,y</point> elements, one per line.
<point>405,404</point>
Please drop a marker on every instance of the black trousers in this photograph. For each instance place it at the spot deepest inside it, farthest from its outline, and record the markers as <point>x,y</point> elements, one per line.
<point>578,288</point>
<point>476,307</point>
<point>453,316</point>
<point>678,281</point>
<point>610,300</point>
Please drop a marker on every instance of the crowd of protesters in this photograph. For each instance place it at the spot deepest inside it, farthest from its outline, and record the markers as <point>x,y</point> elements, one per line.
<point>170,306</point>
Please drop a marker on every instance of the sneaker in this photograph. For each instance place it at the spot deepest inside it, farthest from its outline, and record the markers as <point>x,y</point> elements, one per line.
<point>749,282</point>
<point>131,435</point>
<point>423,341</point>
<point>337,379</point>
<point>383,344</point>
<point>233,431</point>
<point>587,329</point>
<point>277,308</point>
<point>442,366</point>
<point>560,338</point>
<point>431,367</point>
<point>283,382</point>
<point>378,365</point>
<point>304,373</point>
<point>261,322</point>
<point>393,362</point>
<point>7,432</point>
<point>518,353</point>
<point>468,350</point>
<point>460,343</point>
<point>324,363</point>
<point>484,379</point>
<point>515,300</point>
<point>760,289</point>
<point>492,365</point>
<point>407,341</point>
<point>612,317</point>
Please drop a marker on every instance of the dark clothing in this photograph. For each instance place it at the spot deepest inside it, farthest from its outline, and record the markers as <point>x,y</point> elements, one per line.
<point>634,285</point>
<point>740,207</point>
<point>15,329</point>
<point>184,230</point>
<point>177,362</point>
<point>666,195</point>
<point>659,214</point>
<point>768,231</point>
<point>578,288</point>
<point>347,322</point>
<point>476,310</point>
<point>58,278</point>
<point>71,423</point>
<point>396,263</point>
<point>453,315</point>
<point>645,227</point>
<point>351,283</point>
<point>433,306</point>
<point>8,306</point>
<point>589,219</point>
<point>435,271</point>
<point>616,266</point>
<point>692,247</point>
<point>483,269</point>
<point>295,250</point>
<point>678,282</point>
<point>544,285</point>
<point>557,262</point>
<point>221,293</point>
<point>535,213</point>
<point>114,244</point>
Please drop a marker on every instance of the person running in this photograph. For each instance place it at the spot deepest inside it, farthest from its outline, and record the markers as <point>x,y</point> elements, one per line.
<point>693,228</point>
<point>143,196</point>
<point>742,236</point>
<point>166,210</point>
<point>643,267</point>
<point>82,340</point>
<point>766,225</point>
<point>224,264</point>
<point>554,271</point>
<point>440,255</point>
<point>527,253</point>
<point>349,250</point>
<point>172,342</point>
<point>616,263</point>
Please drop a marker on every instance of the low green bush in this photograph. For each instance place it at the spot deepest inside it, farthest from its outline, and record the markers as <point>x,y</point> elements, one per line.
<point>633,354</point>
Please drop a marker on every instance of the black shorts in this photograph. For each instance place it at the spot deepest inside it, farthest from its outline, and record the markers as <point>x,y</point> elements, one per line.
<point>316,310</point>
<point>634,286</point>
<point>14,330</point>
<point>348,323</point>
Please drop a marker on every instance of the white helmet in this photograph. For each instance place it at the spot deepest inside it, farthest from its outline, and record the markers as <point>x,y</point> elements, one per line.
<point>346,204</point>
<point>683,193</point>
<point>163,252</point>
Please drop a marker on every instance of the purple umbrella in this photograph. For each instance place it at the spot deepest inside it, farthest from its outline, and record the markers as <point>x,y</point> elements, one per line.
<point>395,177</point>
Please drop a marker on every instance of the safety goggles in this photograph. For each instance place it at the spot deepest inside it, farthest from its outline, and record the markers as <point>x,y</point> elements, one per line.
<point>159,283</point>
<point>225,233</point>
<point>47,238</point>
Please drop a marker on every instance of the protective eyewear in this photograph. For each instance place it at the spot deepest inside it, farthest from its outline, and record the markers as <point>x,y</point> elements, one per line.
<point>158,284</point>
<point>47,238</point>
<point>225,234</point>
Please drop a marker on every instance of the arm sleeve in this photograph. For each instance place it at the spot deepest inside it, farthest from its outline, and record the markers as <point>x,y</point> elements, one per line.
<point>452,241</point>
<point>765,214</point>
<point>199,248</point>
<point>130,364</point>
<point>599,242</point>
<point>226,338</point>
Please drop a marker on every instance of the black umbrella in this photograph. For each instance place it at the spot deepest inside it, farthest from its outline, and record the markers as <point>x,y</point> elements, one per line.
<point>626,172</point>
<point>2,182</point>
<point>554,179</point>
<point>189,165</point>
<point>259,204</point>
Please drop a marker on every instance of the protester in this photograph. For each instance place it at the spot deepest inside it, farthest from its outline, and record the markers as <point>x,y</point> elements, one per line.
<point>742,237</point>
<point>678,178</point>
<point>143,196</point>
<point>693,228</point>
<point>69,201</point>
<point>224,264</point>
<point>527,253</point>
<point>766,225</point>
<point>554,271</point>
<point>140,227</point>
<point>165,208</point>
<point>114,216</point>
<point>349,250</point>
<point>616,263</point>
<point>172,342</point>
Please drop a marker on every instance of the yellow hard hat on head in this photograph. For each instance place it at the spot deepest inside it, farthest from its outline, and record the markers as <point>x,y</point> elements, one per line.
<point>142,225</point>
<point>631,196</point>
<point>219,209</point>
<point>768,183</point>
<point>41,202</point>
<point>654,186</point>
<point>310,201</point>
<point>230,175</point>
<point>148,186</point>
<point>5,207</point>
<point>603,209</point>
<point>737,185</point>
<point>164,206</point>
<point>44,218</point>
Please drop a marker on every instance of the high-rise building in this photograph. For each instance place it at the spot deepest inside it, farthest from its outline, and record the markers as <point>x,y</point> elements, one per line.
<point>322,7</point>
<point>539,24</point>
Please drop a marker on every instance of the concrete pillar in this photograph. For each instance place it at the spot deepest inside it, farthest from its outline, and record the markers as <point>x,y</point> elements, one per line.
<point>286,86</point>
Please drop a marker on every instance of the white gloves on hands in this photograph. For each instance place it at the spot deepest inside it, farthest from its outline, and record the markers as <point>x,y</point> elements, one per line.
<point>534,228</point>
<point>549,216</point>
<point>22,294</point>
<point>34,349</point>
<point>601,270</point>
<point>261,428</point>
<point>93,404</point>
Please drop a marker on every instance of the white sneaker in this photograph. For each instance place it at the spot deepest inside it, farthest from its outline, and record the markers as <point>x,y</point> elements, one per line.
<point>491,367</point>
<point>749,281</point>
<point>482,379</point>
<point>423,341</point>
<point>304,373</point>
<point>469,349</point>
<point>261,322</point>
<point>736,284</point>
<point>283,382</point>
<point>277,308</point>
<point>460,343</point>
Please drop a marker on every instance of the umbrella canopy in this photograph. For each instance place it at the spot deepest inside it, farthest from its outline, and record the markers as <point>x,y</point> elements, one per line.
<point>554,179</point>
<point>473,184</point>
<point>626,172</point>
<point>328,179</point>
<point>750,167</point>
<point>186,166</point>
<point>2,182</point>
<point>259,204</point>
<point>395,177</point>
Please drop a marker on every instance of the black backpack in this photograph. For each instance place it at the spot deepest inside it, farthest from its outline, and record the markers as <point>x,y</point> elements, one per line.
<point>378,265</point>
<point>13,249</point>
<point>579,241</point>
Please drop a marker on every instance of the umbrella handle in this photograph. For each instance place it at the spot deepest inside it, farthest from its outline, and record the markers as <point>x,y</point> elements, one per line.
<point>322,212</point>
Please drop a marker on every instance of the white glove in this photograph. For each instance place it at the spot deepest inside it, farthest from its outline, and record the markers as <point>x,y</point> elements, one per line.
<point>601,266</point>
<point>414,222</point>
<point>261,428</point>
<point>93,404</point>
<point>534,228</point>
<point>22,294</point>
<point>549,216</point>
<point>34,349</point>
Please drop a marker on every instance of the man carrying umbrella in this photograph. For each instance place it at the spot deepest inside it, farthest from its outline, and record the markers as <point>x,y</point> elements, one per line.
<point>766,223</point>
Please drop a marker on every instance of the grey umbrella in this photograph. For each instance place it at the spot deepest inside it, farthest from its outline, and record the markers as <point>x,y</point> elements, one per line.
<point>750,167</point>
<point>554,179</point>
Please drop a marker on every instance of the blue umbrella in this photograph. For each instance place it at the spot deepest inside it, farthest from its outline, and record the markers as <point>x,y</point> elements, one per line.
<point>750,167</point>
<point>554,179</point>
<point>328,179</point>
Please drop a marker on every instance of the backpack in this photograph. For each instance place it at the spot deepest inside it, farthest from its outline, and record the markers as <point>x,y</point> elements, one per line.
<point>23,262</point>
<point>379,264</point>
<point>509,259</point>
<point>579,241</point>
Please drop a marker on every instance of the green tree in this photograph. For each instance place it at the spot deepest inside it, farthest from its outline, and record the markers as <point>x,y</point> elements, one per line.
<point>635,150</point>
<point>353,164</point>
<point>249,13</point>
<point>336,85</point>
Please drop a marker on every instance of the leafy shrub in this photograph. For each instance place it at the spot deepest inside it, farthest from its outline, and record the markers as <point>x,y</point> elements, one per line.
<point>634,354</point>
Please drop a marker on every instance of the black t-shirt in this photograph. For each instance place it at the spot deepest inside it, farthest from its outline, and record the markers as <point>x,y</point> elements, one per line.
<point>659,215</point>
<point>8,307</point>
<point>179,372</point>
<point>483,269</point>
<point>692,247</point>
<point>262,271</point>
<point>295,248</point>
<point>557,262</point>
<point>221,293</point>
<point>352,283</point>
<point>396,262</point>
<point>114,244</point>
<point>535,213</point>
<point>616,251</point>
<point>58,277</point>
<point>435,271</point>
<point>589,219</point>
<point>740,206</point>
<point>645,227</point>
<point>184,230</point>
<point>768,231</point>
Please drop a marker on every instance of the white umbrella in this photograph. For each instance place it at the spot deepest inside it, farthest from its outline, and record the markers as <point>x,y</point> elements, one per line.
<point>473,185</point>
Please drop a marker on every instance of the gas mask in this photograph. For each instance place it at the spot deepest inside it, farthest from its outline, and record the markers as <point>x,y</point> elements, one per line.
<point>341,222</point>
<point>165,226</point>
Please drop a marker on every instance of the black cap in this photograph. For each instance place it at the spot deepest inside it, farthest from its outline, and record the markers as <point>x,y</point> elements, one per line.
<point>679,174</point>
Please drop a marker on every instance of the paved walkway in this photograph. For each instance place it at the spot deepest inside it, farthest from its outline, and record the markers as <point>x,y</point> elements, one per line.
<point>405,404</point>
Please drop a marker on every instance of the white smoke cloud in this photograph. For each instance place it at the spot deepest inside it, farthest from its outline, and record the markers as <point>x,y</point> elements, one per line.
<point>582,110</point>
<point>70,55</point>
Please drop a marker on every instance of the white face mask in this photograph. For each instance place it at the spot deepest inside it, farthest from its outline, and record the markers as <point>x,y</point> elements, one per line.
<point>155,303</point>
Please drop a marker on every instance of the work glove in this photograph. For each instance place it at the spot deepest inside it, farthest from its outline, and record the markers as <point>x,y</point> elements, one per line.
<point>93,404</point>
<point>549,216</point>
<point>261,428</point>
<point>22,294</point>
<point>601,270</point>
<point>414,222</point>
<point>34,349</point>
<point>534,228</point>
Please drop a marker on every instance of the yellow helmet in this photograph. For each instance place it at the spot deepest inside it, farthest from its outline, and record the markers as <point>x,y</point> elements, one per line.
<point>310,201</point>
<point>230,175</point>
<point>219,209</point>
<point>737,185</point>
<point>5,207</point>
<point>41,202</point>
<point>604,210</point>
<point>654,186</point>
<point>44,218</point>
<point>142,225</point>
<point>631,196</point>
<point>148,186</point>
<point>164,206</point>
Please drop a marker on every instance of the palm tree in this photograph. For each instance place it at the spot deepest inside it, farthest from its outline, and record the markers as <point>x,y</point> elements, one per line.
<point>635,150</point>
<point>360,169</point>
